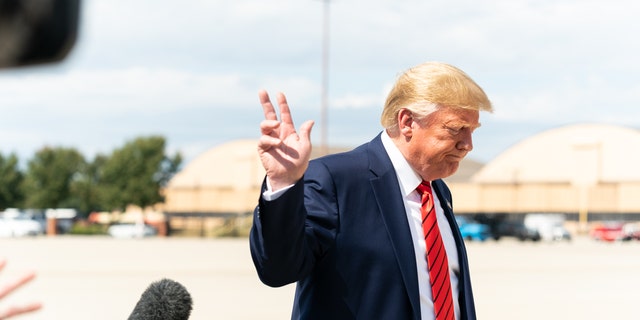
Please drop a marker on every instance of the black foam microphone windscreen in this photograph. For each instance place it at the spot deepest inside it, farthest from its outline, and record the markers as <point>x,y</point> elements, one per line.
<point>163,300</point>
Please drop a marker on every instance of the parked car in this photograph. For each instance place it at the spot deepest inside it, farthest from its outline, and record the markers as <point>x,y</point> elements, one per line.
<point>20,227</point>
<point>131,230</point>
<point>550,226</point>
<point>515,229</point>
<point>608,231</point>
<point>65,218</point>
<point>631,230</point>
<point>472,230</point>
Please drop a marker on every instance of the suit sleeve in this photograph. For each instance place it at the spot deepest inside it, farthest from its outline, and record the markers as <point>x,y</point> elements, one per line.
<point>291,233</point>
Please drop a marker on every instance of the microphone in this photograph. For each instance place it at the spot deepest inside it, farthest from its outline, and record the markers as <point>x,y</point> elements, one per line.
<point>163,300</point>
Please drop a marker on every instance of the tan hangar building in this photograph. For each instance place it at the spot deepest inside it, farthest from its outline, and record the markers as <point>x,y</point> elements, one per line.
<point>582,168</point>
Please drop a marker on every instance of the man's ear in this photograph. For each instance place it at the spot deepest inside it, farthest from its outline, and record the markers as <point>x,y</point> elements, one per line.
<point>405,122</point>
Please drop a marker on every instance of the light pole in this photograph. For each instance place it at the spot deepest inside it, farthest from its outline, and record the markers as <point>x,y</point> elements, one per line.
<point>324,106</point>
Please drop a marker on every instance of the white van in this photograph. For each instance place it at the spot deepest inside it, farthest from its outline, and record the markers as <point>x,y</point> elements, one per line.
<point>550,226</point>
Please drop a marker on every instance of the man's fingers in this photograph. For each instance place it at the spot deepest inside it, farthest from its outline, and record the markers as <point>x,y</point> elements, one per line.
<point>267,106</point>
<point>285,113</point>
<point>267,142</point>
<point>269,126</point>
<point>18,282</point>
<point>18,310</point>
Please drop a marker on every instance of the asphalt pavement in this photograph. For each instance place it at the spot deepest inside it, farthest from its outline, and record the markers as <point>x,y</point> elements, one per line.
<point>84,277</point>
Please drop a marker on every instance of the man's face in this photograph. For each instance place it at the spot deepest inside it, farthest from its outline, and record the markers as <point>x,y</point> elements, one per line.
<point>437,143</point>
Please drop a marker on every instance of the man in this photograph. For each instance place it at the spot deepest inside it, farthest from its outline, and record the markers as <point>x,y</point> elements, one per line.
<point>348,227</point>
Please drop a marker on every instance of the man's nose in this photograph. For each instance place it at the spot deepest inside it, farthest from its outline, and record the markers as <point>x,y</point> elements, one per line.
<point>466,143</point>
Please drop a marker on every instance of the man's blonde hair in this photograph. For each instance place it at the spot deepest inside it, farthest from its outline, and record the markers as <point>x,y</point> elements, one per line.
<point>431,85</point>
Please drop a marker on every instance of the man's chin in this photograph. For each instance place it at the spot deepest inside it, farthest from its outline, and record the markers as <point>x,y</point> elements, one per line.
<point>453,168</point>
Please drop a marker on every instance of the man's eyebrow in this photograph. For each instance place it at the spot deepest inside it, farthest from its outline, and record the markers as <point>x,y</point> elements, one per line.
<point>463,124</point>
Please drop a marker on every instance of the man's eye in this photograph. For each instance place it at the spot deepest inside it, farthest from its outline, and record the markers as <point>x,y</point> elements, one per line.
<point>454,130</point>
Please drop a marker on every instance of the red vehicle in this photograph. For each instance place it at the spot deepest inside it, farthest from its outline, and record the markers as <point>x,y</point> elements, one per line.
<point>611,231</point>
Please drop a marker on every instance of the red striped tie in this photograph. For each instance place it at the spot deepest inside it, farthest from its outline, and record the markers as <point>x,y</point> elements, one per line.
<point>437,262</point>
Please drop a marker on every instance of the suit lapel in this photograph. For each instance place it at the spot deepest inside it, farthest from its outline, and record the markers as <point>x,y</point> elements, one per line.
<point>391,207</point>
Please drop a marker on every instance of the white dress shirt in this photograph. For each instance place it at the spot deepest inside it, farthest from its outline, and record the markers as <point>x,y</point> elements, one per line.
<point>409,181</point>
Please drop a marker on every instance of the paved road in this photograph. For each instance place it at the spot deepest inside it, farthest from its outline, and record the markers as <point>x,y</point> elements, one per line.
<point>102,278</point>
<point>579,280</point>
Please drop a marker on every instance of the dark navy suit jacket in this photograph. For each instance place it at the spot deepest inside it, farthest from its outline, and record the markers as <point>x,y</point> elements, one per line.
<point>342,234</point>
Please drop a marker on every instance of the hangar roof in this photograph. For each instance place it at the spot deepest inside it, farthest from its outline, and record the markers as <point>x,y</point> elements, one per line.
<point>580,154</point>
<point>233,165</point>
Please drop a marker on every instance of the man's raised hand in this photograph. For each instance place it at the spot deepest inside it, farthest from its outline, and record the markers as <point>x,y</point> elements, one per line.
<point>284,153</point>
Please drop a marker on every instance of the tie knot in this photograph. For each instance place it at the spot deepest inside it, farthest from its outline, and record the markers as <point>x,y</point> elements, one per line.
<point>424,187</point>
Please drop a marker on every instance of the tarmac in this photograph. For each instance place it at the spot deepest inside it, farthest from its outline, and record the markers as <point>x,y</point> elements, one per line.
<point>95,277</point>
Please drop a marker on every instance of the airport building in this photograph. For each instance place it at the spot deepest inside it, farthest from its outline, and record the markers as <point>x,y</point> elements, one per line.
<point>583,169</point>
<point>587,171</point>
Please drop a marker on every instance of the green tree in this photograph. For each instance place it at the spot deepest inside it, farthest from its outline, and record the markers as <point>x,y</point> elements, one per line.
<point>86,188</point>
<point>135,174</point>
<point>10,180</point>
<point>49,177</point>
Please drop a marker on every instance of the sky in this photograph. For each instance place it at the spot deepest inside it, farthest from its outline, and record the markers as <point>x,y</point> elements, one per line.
<point>190,70</point>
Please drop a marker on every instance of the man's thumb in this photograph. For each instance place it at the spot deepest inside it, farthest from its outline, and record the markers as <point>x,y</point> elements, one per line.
<point>305,130</point>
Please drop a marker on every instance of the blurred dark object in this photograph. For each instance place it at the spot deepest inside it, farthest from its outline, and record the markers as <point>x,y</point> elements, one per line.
<point>517,230</point>
<point>37,31</point>
<point>631,230</point>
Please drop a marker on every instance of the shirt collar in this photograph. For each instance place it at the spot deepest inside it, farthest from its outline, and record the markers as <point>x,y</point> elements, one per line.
<point>407,177</point>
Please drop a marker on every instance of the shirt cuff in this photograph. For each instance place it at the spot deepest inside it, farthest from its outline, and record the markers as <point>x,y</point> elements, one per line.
<point>269,195</point>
